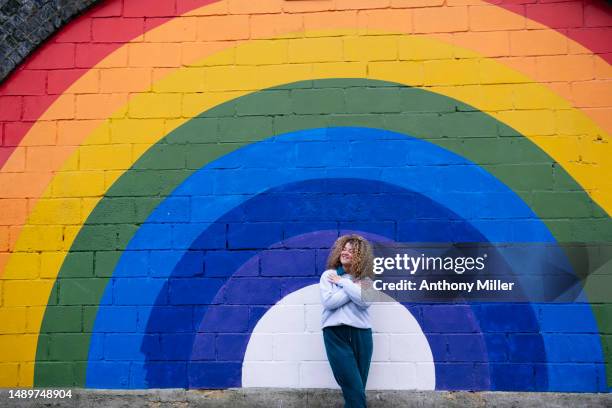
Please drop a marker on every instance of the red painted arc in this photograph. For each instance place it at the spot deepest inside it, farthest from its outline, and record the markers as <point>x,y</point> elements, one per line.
<point>20,83</point>
<point>595,33</point>
<point>588,22</point>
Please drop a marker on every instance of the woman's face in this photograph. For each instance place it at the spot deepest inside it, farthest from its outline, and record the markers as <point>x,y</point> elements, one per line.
<point>346,256</point>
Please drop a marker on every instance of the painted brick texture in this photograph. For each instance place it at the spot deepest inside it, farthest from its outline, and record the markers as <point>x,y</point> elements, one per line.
<point>173,177</point>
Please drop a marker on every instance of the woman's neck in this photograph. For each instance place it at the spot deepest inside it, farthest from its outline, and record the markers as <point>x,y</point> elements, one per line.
<point>348,271</point>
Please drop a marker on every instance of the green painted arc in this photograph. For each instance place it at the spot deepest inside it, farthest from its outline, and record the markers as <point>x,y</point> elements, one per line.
<point>544,185</point>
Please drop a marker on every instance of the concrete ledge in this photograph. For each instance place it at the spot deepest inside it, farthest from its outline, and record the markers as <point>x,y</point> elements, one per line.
<point>280,397</point>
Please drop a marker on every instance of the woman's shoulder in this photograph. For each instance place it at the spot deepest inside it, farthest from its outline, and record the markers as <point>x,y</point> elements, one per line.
<point>327,273</point>
<point>324,279</point>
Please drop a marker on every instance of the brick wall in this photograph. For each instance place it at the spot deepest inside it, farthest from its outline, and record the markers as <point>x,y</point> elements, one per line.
<point>174,174</point>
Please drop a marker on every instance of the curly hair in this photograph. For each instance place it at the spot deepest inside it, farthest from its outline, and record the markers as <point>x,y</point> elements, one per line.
<point>362,264</point>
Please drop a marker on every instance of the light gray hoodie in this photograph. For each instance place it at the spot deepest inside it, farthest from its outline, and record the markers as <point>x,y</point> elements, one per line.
<point>343,303</point>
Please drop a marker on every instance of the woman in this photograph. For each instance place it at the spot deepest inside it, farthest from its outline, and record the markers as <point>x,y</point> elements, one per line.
<point>347,331</point>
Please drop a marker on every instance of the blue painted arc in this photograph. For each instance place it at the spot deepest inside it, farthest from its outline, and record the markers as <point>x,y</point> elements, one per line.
<point>442,177</point>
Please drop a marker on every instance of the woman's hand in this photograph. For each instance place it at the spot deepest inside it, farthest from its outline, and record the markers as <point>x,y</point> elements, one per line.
<point>334,278</point>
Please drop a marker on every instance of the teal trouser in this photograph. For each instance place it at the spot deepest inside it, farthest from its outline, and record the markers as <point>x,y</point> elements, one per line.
<point>349,351</point>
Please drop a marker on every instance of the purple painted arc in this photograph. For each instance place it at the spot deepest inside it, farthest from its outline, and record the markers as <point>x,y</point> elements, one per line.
<point>263,146</point>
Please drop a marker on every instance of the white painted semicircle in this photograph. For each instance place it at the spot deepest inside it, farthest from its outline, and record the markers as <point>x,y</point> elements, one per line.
<point>286,347</point>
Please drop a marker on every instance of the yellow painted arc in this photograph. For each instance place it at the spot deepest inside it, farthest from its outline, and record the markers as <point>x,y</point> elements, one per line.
<point>225,85</point>
<point>487,44</point>
<point>246,78</point>
<point>93,109</point>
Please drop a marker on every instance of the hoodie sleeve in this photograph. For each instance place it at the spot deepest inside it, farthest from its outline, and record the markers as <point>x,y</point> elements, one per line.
<point>354,292</point>
<point>331,299</point>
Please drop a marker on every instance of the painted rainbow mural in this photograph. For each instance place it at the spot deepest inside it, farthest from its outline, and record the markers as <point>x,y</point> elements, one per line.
<point>174,173</point>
